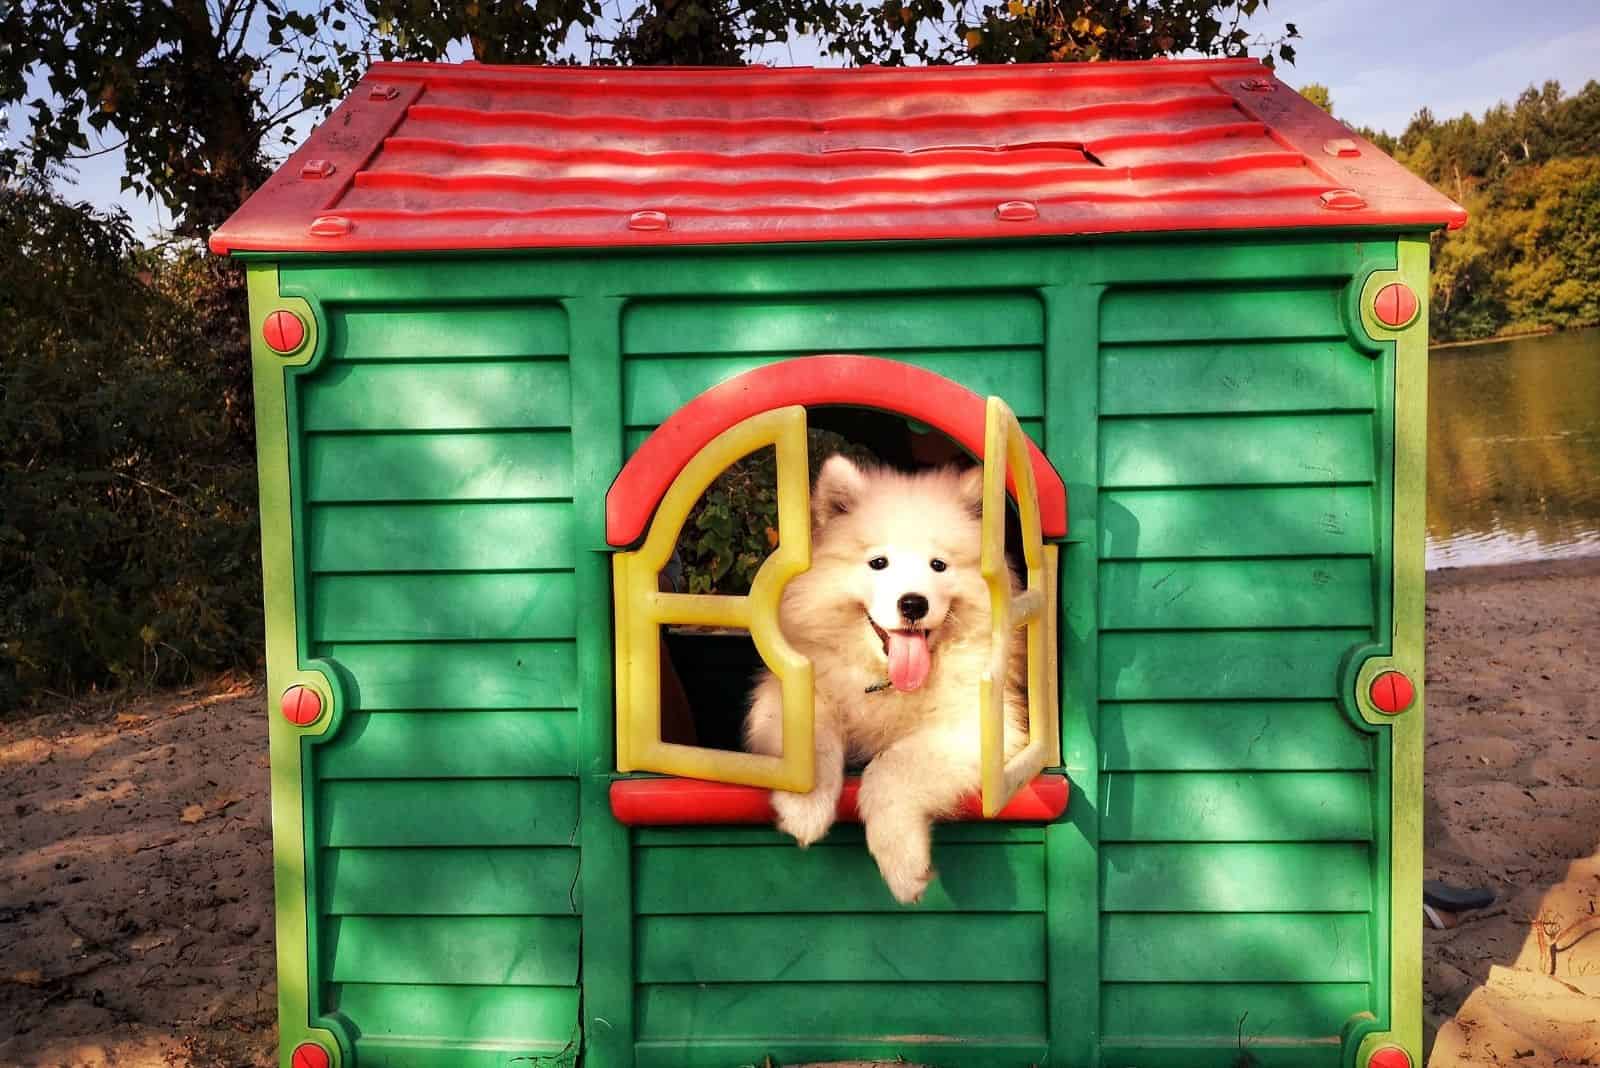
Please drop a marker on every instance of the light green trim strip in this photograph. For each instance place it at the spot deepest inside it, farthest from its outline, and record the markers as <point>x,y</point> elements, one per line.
<point>1406,729</point>
<point>283,667</point>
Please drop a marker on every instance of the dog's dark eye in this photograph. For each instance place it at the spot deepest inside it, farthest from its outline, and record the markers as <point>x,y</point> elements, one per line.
<point>937,564</point>
<point>878,563</point>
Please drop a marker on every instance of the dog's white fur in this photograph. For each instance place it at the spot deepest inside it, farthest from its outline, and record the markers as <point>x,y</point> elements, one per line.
<point>920,747</point>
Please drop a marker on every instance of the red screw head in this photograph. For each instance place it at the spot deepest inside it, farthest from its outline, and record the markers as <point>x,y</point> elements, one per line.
<point>1392,693</point>
<point>284,332</point>
<point>330,226</point>
<point>309,1055</point>
<point>1016,211</point>
<point>1395,305</point>
<point>649,220</point>
<point>1390,1057</point>
<point>1343,200</point>
<point>301,705</point>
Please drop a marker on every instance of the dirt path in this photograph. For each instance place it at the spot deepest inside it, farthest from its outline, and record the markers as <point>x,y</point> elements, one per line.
<point>136,880</point>
<point>136,885</point>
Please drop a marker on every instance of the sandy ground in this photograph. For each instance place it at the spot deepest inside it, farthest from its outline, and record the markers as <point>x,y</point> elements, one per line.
<point>135,873</point>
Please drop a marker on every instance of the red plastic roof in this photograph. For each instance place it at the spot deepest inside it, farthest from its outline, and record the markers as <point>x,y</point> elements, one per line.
<point>435,156</point>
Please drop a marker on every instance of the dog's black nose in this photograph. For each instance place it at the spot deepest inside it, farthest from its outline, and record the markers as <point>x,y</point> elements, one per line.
<point>913,606</point>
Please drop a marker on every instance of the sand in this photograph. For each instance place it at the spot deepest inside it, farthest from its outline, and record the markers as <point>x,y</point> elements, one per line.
<point>1513,802</point>
<point>135,857</point>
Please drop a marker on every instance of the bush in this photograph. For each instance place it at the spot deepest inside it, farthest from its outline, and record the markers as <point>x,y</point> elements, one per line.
<point>732,528</point>
<point>128,537</point>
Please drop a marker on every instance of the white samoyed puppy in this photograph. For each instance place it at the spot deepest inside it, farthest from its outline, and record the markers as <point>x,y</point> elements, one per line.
<point>894,616</point>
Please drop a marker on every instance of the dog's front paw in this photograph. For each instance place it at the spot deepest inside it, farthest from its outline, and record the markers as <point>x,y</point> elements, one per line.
<point>804,817</point>
<point>908,884</point>
<point>904,862</point>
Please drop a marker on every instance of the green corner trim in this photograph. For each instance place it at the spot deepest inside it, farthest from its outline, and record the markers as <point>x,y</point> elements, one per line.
<point>284,669</point>
<point>1405,730</point>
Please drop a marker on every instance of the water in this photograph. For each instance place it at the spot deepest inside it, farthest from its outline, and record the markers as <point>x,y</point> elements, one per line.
<point>1514,450</point>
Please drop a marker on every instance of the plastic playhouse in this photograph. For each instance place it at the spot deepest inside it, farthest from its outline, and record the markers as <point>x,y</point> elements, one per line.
<point>509,323</point>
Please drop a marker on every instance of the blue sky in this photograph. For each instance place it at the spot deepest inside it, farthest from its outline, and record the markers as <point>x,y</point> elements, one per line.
<point>1381,59</point>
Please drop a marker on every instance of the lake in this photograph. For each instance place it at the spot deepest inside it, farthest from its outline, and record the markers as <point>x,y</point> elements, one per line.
<point>1514,450</point>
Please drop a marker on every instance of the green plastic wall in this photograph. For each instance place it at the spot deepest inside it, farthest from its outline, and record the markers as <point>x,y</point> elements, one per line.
<point>1220,884</point>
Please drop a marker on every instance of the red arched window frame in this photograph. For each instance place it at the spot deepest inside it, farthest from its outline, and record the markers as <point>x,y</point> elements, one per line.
<point>812,381</point>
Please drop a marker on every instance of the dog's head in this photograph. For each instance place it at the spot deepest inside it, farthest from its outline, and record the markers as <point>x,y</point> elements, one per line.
<point>901,550</point>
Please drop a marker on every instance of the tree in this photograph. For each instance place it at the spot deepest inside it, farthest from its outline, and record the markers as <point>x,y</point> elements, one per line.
<point>1318,94</point>
<point>202,93</point>
<point>196,91</point>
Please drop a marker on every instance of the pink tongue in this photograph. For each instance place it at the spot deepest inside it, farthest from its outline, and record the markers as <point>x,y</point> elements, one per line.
<point>908,659</point>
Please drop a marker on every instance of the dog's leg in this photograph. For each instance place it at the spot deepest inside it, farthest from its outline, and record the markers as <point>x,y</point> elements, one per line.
<point>903,790</point>
<point>808,816</point>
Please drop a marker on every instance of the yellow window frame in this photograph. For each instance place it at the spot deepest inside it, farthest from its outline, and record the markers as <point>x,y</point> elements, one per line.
<point>1005,449</point>
<point>642,609</point>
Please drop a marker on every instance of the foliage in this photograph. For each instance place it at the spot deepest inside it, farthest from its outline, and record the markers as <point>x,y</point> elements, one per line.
<point>1318,94</point>
<point>887,32</point>
<point>1529,174</point>
<point>197,93</point>
<point>734,526</point>
<point>127,512</point>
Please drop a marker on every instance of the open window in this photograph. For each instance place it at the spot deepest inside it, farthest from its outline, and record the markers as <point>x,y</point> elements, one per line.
<point>651,501</point>
<point>642,609</point>
<point>1005,451</point>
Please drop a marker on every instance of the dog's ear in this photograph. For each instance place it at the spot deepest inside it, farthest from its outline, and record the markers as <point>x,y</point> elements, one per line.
<point>971,487</point>
<point>840,484</point>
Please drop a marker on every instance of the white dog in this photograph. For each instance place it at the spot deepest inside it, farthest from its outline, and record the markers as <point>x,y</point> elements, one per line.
<point>894,617</point>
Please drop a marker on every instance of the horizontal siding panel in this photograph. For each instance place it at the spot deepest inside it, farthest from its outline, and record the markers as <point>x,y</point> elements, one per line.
<point>972,878</point>
<point>635,437</point>
<point>502,606</point>
<point>1239,594</point>
<point>900,947</point>
<point>451,950</point>
<point>438,396</point>
<point>1223,1053</point>
<point>453,882</point>
<point>459,675</point>
<point>447,812</point>
<point>842,324</point>
<point>1234,948</point>
<point>459,1013</point>
<point>1218,664</point>
<point>474,536</point>
<point>1231,736</point>
<point>438,466</point>
<point>1214,313</point>
<point>655,388</point>
<point>1236,450</point>
<point>909,1050</point>
<point>841,835</point>
<point>1236,377</point>
<point>779,1011</point>
<point>1142,1011</point>
<point>451,745</point>
<point>1243,806</point>
<point>408,1053</point>
<point>1237,877</point>
<point>1275,521</point>
<point>462,331</point>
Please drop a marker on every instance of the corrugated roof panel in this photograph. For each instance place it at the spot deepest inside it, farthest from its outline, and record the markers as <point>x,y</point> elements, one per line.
<point>440,157</point>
